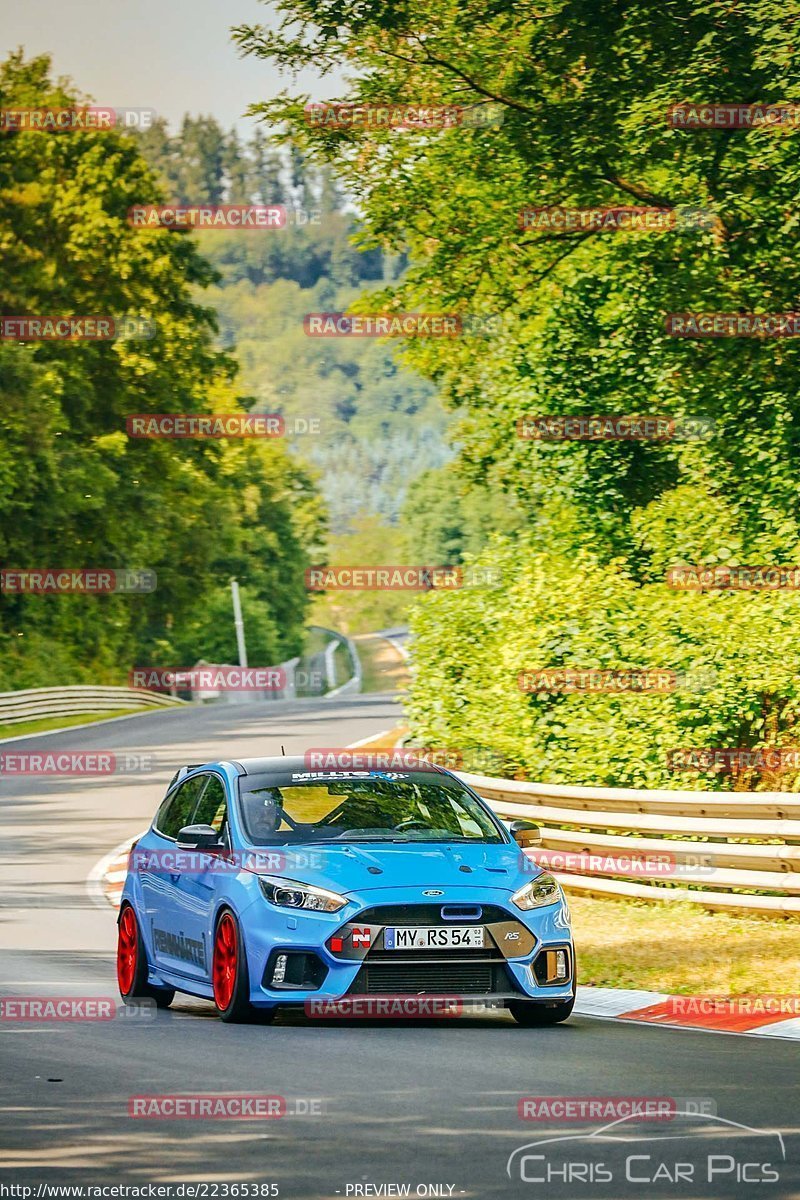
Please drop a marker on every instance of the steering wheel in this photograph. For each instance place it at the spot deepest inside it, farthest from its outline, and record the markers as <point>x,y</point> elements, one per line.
<point>411,823</point>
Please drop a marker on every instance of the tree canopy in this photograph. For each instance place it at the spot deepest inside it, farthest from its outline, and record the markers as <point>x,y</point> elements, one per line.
<point>566,105</point>
<point>75,490</point>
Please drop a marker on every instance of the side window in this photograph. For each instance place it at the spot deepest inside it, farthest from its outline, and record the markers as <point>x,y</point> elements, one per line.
<point>177,809</point>
<point>213,807</point>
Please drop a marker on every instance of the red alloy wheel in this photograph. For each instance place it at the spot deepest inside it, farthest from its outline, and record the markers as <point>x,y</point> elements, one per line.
<point>226,951</point>
<point>127,951</point>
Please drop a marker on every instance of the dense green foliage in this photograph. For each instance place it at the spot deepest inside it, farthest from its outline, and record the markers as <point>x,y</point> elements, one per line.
<point>380,424</point>
<point>736,657</point>
<point>582,89</point>
<point>75,490</point>
<point>448,519</point>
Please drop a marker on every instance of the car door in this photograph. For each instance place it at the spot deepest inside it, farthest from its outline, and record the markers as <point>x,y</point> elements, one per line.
<point>160,878</point>
<point>194,888</point>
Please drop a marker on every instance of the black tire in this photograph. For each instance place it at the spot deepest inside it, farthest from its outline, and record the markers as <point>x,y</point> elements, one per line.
<point>230,979</point>
<point>132,965</point>
<point>264,1016</point>
<point>538,1014</point>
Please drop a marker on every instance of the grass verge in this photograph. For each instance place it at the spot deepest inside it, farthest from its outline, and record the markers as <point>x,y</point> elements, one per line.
<point>45,723</point>
<point>681,948</point>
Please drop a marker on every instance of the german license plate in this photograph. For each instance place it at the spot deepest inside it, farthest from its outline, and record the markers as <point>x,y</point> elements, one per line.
<point>433,937</point>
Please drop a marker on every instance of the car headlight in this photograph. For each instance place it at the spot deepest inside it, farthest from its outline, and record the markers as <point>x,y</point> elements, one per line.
<point>542,890</point>
<point>287,893</point>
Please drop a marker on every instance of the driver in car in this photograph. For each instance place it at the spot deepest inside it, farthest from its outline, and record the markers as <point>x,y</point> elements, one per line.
<point>264,815</point>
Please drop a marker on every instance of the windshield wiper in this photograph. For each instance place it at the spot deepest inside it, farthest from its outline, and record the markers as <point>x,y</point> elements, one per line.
<point>422,839</point>
<point>364,837</point>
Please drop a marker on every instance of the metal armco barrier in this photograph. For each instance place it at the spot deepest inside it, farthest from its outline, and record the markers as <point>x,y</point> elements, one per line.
<point>730,844</point>
<point>32,704</point>
<point>352,685</point>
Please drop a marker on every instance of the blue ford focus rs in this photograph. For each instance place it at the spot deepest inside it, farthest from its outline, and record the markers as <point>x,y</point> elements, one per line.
<point>262,884</point>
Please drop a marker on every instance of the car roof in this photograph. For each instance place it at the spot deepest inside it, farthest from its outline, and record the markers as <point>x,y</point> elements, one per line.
<point>281,770</point>
<point>295,764</point>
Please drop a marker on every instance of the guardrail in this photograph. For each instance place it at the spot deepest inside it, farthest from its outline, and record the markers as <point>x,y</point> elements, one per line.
<point>741,848</point>
<point>31,704</point>
<point>352,685</point>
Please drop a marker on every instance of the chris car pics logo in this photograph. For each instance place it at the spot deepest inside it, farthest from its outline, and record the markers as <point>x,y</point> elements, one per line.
<point>694,1153</point>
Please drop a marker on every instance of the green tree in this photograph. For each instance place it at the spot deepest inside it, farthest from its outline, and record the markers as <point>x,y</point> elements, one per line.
<point>75,490</point>
<point>369,543</point>
<point>238,171</point>
<point>448,520</point>
<point>380,423</point>
<point>265,170</point>
<point>161,151</point>
<point>576,96</point>
<point>566,105</point>
<point>213,629</point>
<point>202,160</point>
<point>728,661</point>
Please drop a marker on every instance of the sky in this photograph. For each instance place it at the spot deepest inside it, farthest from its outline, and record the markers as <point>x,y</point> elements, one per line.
<point>174,56</point>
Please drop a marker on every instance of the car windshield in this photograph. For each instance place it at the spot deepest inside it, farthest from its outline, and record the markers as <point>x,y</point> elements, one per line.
<point>413,807</point>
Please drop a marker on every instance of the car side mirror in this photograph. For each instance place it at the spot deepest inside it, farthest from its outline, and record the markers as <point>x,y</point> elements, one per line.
<point>526,833</point>
<point>198,837</point>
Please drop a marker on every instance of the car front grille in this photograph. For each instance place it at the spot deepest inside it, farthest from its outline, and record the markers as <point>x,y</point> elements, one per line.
<point>465,954</point>
<point>472,978</point>
<point>431,914</point>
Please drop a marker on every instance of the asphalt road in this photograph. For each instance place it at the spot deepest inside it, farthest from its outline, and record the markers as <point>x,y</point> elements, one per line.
<point>375,1107</point>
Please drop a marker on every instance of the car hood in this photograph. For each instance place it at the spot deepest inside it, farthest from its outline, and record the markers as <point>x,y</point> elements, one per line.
<point>362,867</point>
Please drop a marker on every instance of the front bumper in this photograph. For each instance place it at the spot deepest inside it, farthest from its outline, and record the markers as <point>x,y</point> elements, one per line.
<point>296,956</point>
